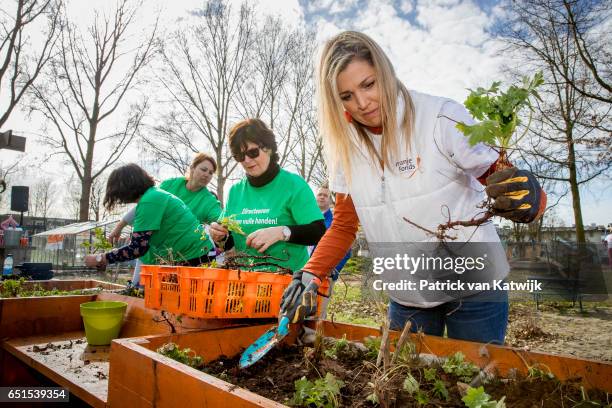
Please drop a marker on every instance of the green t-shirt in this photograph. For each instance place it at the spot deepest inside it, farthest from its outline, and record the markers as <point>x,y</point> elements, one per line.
<point>177,234</point>
<point>202,203</point>
<point>286,200</point>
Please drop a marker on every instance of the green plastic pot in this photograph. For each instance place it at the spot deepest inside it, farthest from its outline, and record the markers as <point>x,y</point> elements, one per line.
<point>102,321</point>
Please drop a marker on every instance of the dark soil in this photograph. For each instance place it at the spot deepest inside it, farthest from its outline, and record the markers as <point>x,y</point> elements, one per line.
<point>274,376</point>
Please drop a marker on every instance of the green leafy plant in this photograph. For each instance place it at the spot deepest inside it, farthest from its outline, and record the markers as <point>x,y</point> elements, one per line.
<point>373,398</point>
<point>211,264</point>
<point>99,243</point>
<point>410,385</point>
<point>17,288</point>
<point>373,346</point>
<point>478,398</point>
<point>322,393</point>
<point>338,346</point>
<point>202,231</point>
<point>457,365</point>
<point>421,397</point>
<point>498,112</point>
<point>11,287</point>
<point>185,356</point>
<point>230,223</point>
<point>538,374</point>
<point>430,374</point>
<point>440,390</point>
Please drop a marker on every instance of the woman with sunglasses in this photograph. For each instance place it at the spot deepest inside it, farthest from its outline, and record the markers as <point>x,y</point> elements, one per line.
<point>276,209</point>
<point>395,154</point>
<point>164,227</point>
<point>192,190</point>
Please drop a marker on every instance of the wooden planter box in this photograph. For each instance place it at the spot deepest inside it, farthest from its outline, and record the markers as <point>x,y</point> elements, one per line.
<point>140,377</point>
<point>25,322</point>
<point>71,284</point>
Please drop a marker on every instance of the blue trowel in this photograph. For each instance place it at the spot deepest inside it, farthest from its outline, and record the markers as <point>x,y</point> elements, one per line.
<point>265,343</point>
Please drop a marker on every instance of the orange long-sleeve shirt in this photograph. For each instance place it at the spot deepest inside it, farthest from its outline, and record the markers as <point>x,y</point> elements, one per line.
<point>337,239</point>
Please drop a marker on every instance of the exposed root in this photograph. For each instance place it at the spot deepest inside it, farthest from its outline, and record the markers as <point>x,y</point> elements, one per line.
<point>231,262</point>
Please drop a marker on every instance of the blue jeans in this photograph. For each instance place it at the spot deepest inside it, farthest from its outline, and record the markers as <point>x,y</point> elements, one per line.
<point>484,322</point>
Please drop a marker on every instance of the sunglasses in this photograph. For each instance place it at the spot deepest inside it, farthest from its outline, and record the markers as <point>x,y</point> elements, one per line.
<point>252,153</point>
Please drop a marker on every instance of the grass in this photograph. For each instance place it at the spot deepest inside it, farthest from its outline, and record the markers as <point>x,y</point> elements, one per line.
<point>348,306</point>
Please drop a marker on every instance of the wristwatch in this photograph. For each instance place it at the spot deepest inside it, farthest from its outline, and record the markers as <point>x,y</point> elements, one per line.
<point>286,233</point>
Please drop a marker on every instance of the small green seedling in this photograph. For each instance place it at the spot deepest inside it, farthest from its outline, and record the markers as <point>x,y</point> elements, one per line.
<point>338,346</point>
<point>478,398</point>
<point>410,385</point>
<point>185,356</point>
<point>322,393</point>
<point>99,243</point>
<point>457,366</point>
<point>373,346</point>
<point>230,223</point>
<point>539,374</point>
<point>440,390</point>
<point>421,397</point>
<point>430,374</point>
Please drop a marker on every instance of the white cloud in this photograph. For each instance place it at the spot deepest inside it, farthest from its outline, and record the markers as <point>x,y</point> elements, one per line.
<point>406,6</point>
<point>446,52</point>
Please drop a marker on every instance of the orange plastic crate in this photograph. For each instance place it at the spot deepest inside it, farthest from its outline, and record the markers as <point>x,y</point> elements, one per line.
<point>214,293</point>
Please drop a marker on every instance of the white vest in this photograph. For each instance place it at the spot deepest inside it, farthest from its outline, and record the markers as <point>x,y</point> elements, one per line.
<point>423,184</point>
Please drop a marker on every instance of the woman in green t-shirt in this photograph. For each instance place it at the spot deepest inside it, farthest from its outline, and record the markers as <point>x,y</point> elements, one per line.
<point>192,190</point>
<point>276,209</point>
<point>164,228</point>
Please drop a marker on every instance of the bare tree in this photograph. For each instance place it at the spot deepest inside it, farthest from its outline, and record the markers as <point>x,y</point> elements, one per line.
<point>268,70</point>
<point>20,62</point>
<point>228,67</point>
<point>96,209</point>
<point>303,146</point>
<point>94,76</point>
<point>568,125</point>
<point>72,198</point>
<point>202,68</point>
<point>587,22</point>
<point>43,198</point>
<point>6,170</point>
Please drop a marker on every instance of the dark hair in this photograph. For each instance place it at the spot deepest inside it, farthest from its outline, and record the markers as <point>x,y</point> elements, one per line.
<point>200,157</point>
<point>254,131</point>
<point>126,184</point>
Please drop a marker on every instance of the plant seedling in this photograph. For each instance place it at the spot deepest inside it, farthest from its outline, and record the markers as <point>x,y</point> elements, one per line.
<point>230,223</point>
<point>498,113</point>
<point>322,393</point>
<point>338,346</point>
<point>457,366</point>
<point>99,243</point>
<point>185,356</point>
<point>478,398</point>
<point>410,385</point>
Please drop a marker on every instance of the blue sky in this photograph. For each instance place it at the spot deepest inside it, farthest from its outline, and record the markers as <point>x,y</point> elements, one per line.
<point>440,47</point>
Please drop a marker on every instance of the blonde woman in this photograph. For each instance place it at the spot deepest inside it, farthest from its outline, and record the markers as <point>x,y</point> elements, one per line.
<point>395,154</point>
